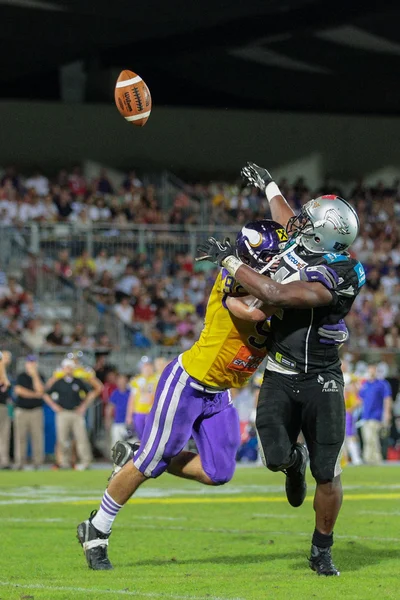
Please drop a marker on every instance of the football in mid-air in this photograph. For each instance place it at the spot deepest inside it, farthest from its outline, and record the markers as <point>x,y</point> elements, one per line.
<point>132,97</point>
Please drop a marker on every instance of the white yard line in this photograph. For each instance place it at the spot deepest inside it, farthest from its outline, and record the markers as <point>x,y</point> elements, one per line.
<point>213,530</point>
<point>100,592</point>
<point>382,513</point>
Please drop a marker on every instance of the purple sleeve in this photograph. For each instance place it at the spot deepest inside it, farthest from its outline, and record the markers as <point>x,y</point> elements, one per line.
<point>112,398</point>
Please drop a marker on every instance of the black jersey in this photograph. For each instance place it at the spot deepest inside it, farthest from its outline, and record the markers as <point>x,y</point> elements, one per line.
<point>294,343</point>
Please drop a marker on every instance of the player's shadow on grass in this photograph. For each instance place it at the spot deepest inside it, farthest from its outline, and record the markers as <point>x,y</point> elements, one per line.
<point>353,556</point>
<point>350,557</point>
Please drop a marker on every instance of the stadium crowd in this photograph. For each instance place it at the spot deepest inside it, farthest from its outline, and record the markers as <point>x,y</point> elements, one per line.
<point>162,298</point>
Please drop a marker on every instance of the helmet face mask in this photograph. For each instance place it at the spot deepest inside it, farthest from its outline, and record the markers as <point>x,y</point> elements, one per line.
<point>259,241</point>
<point>326,224</point>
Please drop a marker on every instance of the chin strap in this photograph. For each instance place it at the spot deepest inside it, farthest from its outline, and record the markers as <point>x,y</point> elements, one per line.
<point>278,257</point>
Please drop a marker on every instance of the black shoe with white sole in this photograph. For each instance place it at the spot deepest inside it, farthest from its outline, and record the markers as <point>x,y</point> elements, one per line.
<point>321,562</point>
<point>121,453</point>
<point>94,544</point>
<point>296,486</point>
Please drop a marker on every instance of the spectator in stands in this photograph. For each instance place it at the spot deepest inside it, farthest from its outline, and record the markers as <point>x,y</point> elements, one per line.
<point>28,415</point>
<point>376,396</point>
<point>29,308</point>
<point>38,182</point>
<point>184,307</point>
<point>392,339</point>
<point>56,336</point>
<point>85,263</point>
<point>62,266</point>
<point>127,283</point>
<point>77,182</point>
<point>5,420</point>
<point>33,335</point>
<point>101,262</point>
<point>68,393</point>
<point>116,410</point>
<point>124,310</point>
<point>144,311</point>
<point>63,203</point>
<point>103,184</point>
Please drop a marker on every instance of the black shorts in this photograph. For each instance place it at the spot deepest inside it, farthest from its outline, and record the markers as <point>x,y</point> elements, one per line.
<point>311,403</point>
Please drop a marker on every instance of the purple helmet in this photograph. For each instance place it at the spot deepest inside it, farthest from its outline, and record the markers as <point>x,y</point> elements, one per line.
<point>258,241</point>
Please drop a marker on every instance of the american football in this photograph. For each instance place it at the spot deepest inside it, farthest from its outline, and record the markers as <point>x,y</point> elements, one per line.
<point>133,98</point>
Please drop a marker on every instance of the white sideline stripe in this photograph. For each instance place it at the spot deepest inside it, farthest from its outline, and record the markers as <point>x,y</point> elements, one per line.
<point>99,591</point>
<point>382,513</point>
<point>273,516</point>
<point>138,117</point>
<point>218,530</point>
<point>127,82</point>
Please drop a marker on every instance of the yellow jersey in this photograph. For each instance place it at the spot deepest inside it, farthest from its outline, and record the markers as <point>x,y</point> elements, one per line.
<point>80,372</point>
<point>351,399</point>
<point>229,350</point>
<point>143,389</point>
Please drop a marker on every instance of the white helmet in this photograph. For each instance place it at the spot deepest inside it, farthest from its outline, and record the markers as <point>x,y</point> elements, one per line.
<point>326,224</point>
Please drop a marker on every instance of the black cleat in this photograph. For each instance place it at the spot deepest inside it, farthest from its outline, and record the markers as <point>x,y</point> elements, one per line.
<point>94,544</point>
<point>121,453</point>
<point>320,561</point>
<point>296,486</point>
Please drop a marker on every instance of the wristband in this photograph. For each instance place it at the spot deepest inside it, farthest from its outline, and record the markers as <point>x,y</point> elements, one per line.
<point>272,190</point>
<point>231,264</point>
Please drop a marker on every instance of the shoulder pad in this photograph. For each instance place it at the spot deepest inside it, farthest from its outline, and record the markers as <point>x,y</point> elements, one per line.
<point>332,257</point>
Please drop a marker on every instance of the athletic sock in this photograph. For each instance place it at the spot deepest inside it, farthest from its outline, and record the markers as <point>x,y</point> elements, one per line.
<point>321,540</point>
<point>106,514</point>
<point>354,451</point>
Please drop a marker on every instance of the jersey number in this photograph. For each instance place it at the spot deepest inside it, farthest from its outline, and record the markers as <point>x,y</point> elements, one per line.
<point>231,286</point>
<point>260,341</point>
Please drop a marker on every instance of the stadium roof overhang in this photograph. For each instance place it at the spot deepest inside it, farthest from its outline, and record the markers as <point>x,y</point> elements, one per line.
<point>329,56</point>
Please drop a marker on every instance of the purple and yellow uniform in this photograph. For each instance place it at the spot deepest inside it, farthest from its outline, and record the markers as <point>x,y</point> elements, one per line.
<point>192,396</point>
<point>143,390</point>
<point>229,350</point>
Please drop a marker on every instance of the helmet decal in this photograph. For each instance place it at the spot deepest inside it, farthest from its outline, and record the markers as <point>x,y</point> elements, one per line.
<point>254,237</point>
<point>337,220</point>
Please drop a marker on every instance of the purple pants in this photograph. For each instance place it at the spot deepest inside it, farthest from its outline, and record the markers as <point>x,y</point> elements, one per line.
<point>350,424</point>
<point>139,421</point>
<point>180,411</point>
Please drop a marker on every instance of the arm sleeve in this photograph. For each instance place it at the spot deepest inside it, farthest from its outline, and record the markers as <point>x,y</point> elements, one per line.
<point>351,278</point>
<point>387,389</point>
<point>84,386</point>
<point>52,389</point>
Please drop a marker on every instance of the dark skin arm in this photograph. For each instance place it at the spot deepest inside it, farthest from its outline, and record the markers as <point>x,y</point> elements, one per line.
<point>280,210</point>
<point>297,294</point>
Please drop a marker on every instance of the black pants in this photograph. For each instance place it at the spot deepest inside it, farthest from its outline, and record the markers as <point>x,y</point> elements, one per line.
<point>313,404</point>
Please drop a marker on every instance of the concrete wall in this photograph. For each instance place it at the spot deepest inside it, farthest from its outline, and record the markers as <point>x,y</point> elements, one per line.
<point>209,142</point>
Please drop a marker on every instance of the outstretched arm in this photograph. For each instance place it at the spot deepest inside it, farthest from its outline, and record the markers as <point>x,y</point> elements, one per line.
<point>261,178</point>
<point>312,289</point>
<point>298,294</point>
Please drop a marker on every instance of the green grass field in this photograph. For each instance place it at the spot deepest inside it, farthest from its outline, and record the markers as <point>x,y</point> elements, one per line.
<point>182,541</point>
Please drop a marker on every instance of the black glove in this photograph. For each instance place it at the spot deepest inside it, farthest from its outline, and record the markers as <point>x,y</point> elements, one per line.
<point>215,251</point>
<point>257,176</point>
